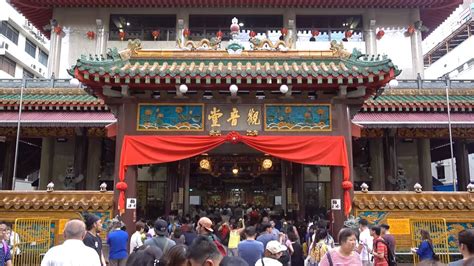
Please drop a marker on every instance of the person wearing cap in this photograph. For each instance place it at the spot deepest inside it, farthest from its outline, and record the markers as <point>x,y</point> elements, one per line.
<point>92,238</point>
<point>161,239</point>
<point>117,239</point>
<point>273,252</point>
<point>204,228</point>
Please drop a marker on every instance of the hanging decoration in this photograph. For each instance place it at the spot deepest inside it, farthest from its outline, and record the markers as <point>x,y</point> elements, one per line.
<point>410,31</point>
<point>122,35</point>
<point>58,29</point>
<point>155,34</point>
<point>380,34</point>
<point>186,33</point>
<point>284,31</point>
<point>219,34</point>
<point>90,35</point>
<point>348,34</point>
<point>312,150</point>
<point>252,34</point>
<point>314,34</point>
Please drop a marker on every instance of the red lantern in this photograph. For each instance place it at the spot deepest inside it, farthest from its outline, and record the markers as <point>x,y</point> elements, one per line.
<point>410,30</point>
<point>58,29</point>
<point>90,35</point>
<point>122,35</point>
<point>155,34</point>
<point>252,34</point>
<point>315,33</point>
<point>348,34</point>
<point>284,31</point>
<point>186,33</point>
<point>380,34</point>
<point>219,34</point>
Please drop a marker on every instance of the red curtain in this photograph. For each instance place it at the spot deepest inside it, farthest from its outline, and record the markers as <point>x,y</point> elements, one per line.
<point>312,150</point>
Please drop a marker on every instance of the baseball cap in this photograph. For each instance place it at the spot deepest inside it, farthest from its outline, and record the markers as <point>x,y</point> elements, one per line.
<point>206,223</point>
<point>161,227</point>
<point>90,219</point>
<point>275,247</point>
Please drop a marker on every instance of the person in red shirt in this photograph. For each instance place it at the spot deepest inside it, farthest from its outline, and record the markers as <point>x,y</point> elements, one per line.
<point>380,250</point>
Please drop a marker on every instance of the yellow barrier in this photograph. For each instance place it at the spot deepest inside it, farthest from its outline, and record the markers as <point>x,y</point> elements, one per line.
<point>438,233</point>
<point>34,239</point>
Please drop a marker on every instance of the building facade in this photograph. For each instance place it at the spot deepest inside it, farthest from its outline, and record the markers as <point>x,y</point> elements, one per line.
<point>390,152</point>
<point>24,50</point>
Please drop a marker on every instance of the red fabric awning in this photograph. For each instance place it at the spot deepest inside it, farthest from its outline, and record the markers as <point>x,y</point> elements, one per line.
<point>59,119</point>
<point>433,12</point>
<point>312,150</point>
<point>422,120</point>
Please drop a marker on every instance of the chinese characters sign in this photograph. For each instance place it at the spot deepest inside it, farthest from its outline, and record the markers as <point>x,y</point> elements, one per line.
<point>230,117</point>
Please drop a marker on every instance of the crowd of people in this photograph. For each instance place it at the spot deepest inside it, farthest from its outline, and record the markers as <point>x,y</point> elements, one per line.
<point>226,239</point>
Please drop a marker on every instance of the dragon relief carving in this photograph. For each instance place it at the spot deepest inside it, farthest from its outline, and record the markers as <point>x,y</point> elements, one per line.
<point>266,44</point>
<point>205,44</point>
<point>338,49</point>
<point>132,48</point>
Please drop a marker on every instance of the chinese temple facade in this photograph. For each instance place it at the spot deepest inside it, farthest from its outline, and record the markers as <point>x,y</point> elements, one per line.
<point>287,105</point>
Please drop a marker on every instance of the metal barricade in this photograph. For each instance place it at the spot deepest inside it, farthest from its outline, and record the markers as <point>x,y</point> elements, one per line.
<point>34,239</point>
<point>438,233</point>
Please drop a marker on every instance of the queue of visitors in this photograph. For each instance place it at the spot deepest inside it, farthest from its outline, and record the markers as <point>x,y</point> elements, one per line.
<point>250,239</point>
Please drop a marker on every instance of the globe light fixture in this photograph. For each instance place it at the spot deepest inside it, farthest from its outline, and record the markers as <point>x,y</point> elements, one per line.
<point>74,82</point>
<point>183,88</point>
<point>205,164</point>
<point>284,88</point>
<point>233,89</point>
<point>235,170</point>
<point>267,164</point>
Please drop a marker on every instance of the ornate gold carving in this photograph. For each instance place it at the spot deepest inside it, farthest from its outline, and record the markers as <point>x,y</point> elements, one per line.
<point>426,92</point>
<point>215,132</point>
<point>338,49</point>
<point>57,200</point>
<point>50,132</point>
<point>252,133</point>
<point>372,133</point>
<point>266,44</point>
<point>203,44</point>
<point>428,200</point>
<point>420,133</point>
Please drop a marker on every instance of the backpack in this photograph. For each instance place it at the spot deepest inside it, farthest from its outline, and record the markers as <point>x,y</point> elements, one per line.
<point>318,251</point>
<point>391,259</point>
<point>219,245</point>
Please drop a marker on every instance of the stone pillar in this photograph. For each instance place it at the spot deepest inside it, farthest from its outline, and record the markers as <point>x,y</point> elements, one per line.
<point>377,166</point>
<point>462,164</point>
<point>416,49</point>
<point>94,151</point>
<point>289,22</point>
<point>285,165</point>
<point>101,38</point>
<point>369,32</point>
<point>54,54</point>
<point>337,216</point>
<point>80,156</point>
<point>186,192</point>
<point>182,23</point>
<point>298,186</point>
<point>46,165</point>
<point>8,164</point>
<point>390,157</point>
<point>424,164</point>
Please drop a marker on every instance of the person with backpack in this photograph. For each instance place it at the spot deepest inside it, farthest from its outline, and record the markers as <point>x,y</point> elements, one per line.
<point>204,228</point>
<point>318,248</point>
<point>380,249</point>
<point>161,239</point>
<point>425,250</point>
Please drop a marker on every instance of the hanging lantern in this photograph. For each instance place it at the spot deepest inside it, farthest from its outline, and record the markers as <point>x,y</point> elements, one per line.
<point>315,33</point>
<point>219,34</point>
<point>155,34</point>
<point>410,30</point>
<point>284,31</point>
<point>348,34</point>
<point>186,33</point>
<point>90,35</point>
<point>58,29</point>
<point>380,34</point>
<point>122,35</point>
<point>252,34</point>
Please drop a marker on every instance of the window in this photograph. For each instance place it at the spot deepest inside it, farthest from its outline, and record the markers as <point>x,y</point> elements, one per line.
<point>30,48</point>
<point>27,74</point>
<point>7,65</point>
<point>331,27</point>
<point>142,27</point>
<point>8,31</point>
<point>43,57</point>
<point>206,26</point>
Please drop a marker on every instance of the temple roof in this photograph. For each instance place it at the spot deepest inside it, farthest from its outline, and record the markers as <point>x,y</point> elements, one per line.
<point>40,13</point>
<point>161,67</point>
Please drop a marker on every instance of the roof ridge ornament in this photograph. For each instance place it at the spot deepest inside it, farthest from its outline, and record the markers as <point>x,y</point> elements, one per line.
<point>339,50</point>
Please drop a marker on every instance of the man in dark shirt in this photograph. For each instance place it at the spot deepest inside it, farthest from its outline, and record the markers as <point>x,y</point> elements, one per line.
<point>389,238</point>
<point>92,238</point>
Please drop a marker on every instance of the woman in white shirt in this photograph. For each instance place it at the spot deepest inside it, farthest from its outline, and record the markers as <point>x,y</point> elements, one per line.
<point>136,240</point>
